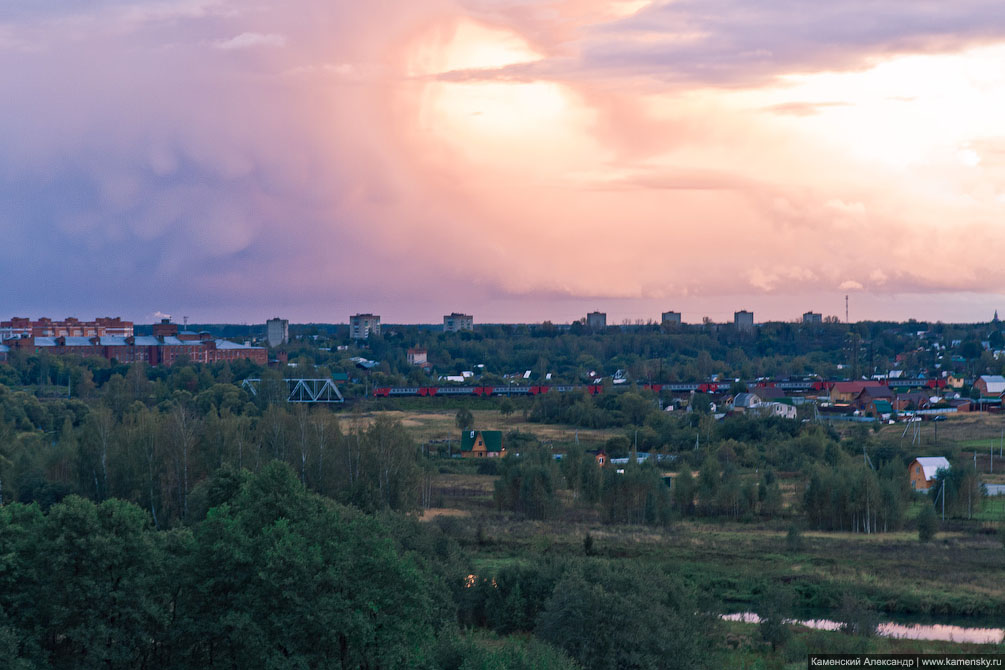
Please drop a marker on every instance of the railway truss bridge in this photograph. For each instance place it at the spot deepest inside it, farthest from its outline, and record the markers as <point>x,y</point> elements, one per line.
<point>302,390</point>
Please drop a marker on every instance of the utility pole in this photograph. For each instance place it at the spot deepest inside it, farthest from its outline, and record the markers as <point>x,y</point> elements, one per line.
<point>942,492</point>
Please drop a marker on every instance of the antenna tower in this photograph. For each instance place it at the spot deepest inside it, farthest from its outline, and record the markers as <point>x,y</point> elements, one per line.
<point>846,309</point>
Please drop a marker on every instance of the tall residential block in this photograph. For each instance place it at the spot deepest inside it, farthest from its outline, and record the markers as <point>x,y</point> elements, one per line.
<point>596,320</point>
<point>743,320</point>
<point>362,326</point>
<point>813,317</point>
<point>455,322</point>
<point>671,318</point>
<point>277,331</point>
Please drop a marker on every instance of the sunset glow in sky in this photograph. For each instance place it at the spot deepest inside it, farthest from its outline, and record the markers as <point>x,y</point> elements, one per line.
<point>519,160</point>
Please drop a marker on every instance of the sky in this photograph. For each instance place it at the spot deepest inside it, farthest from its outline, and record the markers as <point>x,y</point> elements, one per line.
<point>517,160</point>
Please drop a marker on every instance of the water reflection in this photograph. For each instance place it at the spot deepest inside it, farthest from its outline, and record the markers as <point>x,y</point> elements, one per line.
<point>943,632</point>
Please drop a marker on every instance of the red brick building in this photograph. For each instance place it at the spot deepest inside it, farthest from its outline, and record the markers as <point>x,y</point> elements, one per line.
<point>69,327</point>
<point>163,350</point>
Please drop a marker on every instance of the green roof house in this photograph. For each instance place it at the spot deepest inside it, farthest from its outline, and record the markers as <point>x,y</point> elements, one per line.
<point>482,444</point>
<point>881,408</point>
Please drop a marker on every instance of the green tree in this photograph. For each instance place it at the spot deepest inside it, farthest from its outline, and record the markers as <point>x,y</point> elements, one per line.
<point>794,539</point>
<point>708,485</point>
<point>683,491</point>
<point>528,484</point>
<point>578,615</point>
<point>273,580</point>
<point>928,522</point>
<point>84,583</point>
<point>464,419</point>
<point>772,608</point>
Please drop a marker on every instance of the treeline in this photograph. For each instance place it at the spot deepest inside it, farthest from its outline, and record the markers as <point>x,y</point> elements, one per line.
<point>833,488</point>
<point>604,614</point>
<point>856,498</point>
<point>633,493</point>
<point>158,456</point>
<point>274,576</point>
<point>663,354</point>
<point>688,353</point>
<point>644,410</point>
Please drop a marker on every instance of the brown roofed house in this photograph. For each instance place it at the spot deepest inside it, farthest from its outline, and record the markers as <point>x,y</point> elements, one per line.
<point>845,392</point>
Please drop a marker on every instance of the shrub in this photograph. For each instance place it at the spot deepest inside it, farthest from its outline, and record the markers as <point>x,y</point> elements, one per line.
<point>927,523</point>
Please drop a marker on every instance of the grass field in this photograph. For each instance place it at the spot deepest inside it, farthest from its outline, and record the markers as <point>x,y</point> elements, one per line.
<point>994,510</point>
<point>967,431</point>
<point>960,573</point>
<point>439,425</point>
<point>735,562</point>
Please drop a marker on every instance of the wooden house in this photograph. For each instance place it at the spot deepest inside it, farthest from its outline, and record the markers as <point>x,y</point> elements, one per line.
<point>846,392</point>
<point>482,444</point>
<point>923,469</point>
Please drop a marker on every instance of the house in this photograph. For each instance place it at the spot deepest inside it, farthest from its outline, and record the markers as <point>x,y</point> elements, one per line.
<point>990,386</point>
<point>911,401</point>
<point>961,404</point>
<point>846,392</point>
<point>416,356</point>
<point>870,394</point>
<point>881,409</point>
<point>923,470</point>
<point>990,389</point>
<point>952,381</point>
<point>482,444</point>
<point>750,403</point>
<point>780,409</point>
<point>746,401</point>
<point>769,393</point>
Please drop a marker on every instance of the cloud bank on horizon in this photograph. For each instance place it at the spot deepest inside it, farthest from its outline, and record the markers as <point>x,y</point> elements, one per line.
<point>234,159</point>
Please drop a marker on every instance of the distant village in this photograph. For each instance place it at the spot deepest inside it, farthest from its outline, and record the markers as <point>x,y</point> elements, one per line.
<point>899,393</point>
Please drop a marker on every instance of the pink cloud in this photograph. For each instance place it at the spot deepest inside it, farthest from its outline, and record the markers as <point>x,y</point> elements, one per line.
<point>194,160</point>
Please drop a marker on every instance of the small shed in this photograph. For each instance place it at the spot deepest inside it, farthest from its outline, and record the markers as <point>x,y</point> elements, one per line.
<point>923,469</point>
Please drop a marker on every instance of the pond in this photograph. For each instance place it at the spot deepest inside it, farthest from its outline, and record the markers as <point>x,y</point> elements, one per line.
<point>904,630</point>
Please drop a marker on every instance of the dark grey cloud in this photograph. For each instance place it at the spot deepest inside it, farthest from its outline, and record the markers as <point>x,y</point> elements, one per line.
<point>143,167</point>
